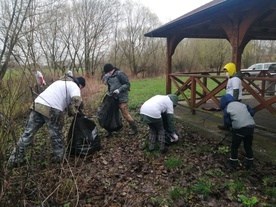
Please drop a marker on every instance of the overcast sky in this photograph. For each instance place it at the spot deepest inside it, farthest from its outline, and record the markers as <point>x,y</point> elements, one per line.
<point>168,10</point>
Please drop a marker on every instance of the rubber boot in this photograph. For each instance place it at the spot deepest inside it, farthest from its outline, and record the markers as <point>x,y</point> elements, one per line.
<point>249,163</point>
<point>232,164</point>
<point>133,127</point>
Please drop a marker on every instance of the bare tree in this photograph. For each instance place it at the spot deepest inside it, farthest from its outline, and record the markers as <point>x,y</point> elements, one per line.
<point>49,37</point>
<point>214,53</point>
<point>201,55</point>
<point>72,37</point>
<point>185,57</point>
<point>258,51</point>
<point>136,49</point>
<point>95,20</point>
<point>13,16</point>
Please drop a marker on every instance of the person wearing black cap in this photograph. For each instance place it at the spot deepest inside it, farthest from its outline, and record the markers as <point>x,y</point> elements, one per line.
<point>118,85</point>
<point>48,108</point>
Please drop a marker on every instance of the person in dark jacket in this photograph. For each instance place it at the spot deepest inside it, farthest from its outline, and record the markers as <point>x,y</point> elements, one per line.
<point>234,85</point>
<point>119,86</point>
<point>239,117</point>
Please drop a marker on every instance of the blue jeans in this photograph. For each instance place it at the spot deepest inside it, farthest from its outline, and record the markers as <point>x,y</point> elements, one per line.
<point>35,122</point>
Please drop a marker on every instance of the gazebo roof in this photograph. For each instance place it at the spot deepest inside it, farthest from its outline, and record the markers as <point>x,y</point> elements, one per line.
<point>207,21</point>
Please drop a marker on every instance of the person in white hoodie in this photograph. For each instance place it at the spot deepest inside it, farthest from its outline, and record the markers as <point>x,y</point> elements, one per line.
<point>154,112</point>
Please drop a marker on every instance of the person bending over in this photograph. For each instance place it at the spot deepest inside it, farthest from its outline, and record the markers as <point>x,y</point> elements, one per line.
<point>48,108</point>
<point>239,117</point>
<point>152,113</point>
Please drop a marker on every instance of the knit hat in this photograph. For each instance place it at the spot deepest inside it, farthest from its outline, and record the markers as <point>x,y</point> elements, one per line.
<point>81,81</point>
<point>174,99</point>
<point>108,67</point>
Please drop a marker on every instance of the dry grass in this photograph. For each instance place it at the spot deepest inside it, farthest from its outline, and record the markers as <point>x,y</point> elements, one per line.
<point>93,93</point>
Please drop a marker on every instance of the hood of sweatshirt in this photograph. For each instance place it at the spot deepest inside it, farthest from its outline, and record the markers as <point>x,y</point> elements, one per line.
<point>225,100</point>
<point>238,74</point>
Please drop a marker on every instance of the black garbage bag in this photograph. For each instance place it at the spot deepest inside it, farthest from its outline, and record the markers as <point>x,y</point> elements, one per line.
<point>109,115</point>
<point>83,137</point>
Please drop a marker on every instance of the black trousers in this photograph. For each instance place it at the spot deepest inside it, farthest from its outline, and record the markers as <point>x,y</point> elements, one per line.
<point>244,135</point>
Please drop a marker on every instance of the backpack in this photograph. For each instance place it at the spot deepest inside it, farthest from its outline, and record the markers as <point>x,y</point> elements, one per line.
<point>109,115</point>
<point>83,137</point>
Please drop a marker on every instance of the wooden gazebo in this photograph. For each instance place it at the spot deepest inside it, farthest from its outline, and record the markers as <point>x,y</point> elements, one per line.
<point>237,21</point>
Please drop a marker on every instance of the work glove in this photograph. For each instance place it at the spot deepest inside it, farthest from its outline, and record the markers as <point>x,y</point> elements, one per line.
<point>116,91</point>
<point>174,136</point>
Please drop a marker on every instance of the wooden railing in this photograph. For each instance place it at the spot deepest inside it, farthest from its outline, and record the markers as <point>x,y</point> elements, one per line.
<point>198,88</point>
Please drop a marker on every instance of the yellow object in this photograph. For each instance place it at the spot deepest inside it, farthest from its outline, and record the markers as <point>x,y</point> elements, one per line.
<point>231,68</point>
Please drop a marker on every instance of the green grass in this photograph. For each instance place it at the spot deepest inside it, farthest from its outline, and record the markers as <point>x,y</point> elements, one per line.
<point>142,90</point>
<point>202,187</point>
<point>176,193</point>
<point>247,201</point>
<point>172,162</point>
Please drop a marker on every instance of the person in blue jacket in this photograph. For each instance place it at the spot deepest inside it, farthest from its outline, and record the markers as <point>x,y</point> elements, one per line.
<point>239,117</point>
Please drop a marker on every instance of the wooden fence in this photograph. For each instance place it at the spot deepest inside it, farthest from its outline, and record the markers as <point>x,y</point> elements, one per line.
<point>195,89</point>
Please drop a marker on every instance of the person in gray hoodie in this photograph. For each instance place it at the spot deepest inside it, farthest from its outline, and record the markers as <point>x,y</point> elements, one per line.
<point>239,117</point>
